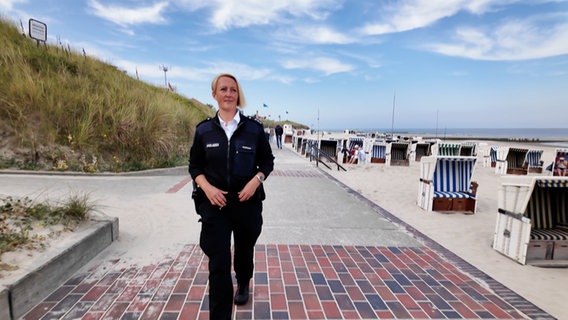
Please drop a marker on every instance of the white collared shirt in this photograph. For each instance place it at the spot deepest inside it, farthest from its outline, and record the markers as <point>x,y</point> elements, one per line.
<point>231,126</point>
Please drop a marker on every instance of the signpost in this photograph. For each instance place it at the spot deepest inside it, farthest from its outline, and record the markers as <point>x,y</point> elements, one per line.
<point>38,30</point>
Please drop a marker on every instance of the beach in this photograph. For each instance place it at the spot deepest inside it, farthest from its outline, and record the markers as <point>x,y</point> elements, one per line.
<point>395,188</point>
<point>158,222</point>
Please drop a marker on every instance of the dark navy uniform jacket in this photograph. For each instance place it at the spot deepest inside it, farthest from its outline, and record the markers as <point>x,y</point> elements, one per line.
<point>230,165</point>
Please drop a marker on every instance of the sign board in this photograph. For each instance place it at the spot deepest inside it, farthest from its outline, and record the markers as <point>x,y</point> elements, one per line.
<point>38,30</point>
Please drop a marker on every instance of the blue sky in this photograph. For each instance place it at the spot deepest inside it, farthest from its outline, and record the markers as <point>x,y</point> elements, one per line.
<point>450,64</point>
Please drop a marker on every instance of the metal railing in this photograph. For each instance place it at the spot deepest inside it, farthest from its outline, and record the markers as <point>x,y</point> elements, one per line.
<point>316,154</point>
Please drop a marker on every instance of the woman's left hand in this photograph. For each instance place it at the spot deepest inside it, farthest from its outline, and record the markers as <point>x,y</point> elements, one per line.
<point>249,190</point>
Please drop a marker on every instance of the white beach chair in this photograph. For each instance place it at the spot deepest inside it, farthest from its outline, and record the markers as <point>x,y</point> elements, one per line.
<point>532,220</point>
<point>533,161</point>
<point>378,152</point>
<point>511,161</point>
<point>397,154</point>
<point>446,184</point>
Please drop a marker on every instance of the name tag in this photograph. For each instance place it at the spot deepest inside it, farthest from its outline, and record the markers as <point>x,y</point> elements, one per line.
<point>246,148</point>
<point>212,145</point>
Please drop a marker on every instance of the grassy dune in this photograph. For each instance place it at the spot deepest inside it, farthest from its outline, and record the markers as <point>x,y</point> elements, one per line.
<point>61,110</point>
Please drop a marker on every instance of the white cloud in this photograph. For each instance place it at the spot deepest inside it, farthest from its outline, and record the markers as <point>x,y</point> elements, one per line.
<point>314,35</point>
<point>124,16</point>
<point>512,40</point>
<point>326,65</point>
<point>8,5</point>
<point>243,13</point>
<point>414,14</point>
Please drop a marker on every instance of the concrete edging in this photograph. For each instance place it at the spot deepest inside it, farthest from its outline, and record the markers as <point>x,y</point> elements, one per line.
<point>30,289</point>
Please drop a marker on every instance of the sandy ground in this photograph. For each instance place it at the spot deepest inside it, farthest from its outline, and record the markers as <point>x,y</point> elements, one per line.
<point>395,188</point>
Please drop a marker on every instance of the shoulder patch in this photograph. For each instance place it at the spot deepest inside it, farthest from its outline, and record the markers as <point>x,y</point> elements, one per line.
<point>254,119</point>
<point>204,121</point>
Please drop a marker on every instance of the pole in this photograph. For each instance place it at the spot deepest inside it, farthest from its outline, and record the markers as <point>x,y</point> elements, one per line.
<point>165,69</point>
<point>392,121</point>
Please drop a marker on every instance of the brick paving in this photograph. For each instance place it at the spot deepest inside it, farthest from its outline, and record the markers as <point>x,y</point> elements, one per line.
<point>290,282</point>
<point>296,282</point>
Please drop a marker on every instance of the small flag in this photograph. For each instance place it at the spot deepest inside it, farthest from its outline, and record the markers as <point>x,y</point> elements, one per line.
<point>137,78</point>
<point>264,105</point>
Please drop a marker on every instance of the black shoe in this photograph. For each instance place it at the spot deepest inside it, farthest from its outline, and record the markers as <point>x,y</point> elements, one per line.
<point>242,295</point>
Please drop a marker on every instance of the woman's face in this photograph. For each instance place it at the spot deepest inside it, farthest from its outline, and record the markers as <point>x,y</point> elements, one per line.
<point>227,94</point>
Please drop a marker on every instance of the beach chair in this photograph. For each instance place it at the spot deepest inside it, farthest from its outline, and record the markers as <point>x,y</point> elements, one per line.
<point>511,161</point>
<point>532,220</point>
<point>468,149</point>
<point>446,149</point>
<point>378,152</point>
<point>397,154</point>
<point>493,156</point>
<point>533,161</point>
<point>558,154</point>
<point>501,160</point>
<point>419,150</point>
<point>445,184</point>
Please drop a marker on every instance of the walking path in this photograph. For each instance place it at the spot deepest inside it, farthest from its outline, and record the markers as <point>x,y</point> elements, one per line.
<point>325,253</point>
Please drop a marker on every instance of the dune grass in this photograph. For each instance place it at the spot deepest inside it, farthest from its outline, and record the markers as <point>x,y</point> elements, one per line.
<point>62,110</point>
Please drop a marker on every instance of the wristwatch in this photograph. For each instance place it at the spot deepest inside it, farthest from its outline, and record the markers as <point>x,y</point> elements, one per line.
<point>260,178</point>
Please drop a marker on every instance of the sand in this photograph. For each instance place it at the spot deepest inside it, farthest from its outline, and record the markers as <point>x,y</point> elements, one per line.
<point>395,188</point>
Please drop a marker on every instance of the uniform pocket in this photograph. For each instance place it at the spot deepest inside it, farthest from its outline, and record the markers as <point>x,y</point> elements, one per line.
<point>245,161</point>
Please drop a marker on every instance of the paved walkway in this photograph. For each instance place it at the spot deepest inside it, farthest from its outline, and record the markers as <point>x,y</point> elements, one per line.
<point>325,253</point>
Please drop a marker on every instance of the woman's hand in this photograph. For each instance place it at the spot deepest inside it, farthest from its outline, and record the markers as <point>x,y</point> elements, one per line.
<point>216,196</point>
<point>249,190</point>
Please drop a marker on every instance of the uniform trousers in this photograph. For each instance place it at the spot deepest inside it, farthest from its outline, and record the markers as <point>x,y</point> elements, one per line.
<point>244,221</point>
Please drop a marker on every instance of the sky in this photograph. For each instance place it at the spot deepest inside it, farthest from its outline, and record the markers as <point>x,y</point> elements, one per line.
<point>336,64</point>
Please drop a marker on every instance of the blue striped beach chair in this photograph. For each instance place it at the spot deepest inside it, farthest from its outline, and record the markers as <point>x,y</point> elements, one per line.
<point>493,156</point>
<point>355,140</point>
<point>532,220</point>
<point>533,161</point>
<point>446,184</point>
<point>378,153</point>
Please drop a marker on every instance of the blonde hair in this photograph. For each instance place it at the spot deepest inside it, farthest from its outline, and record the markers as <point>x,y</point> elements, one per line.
<point>241,98</point>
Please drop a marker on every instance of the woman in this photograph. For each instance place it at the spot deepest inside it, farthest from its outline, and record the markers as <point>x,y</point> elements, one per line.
<point>229,160</point>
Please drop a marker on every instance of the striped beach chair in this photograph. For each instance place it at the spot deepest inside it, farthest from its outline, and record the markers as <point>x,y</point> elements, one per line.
<point>533,161</point>
<point>354,141</point>
<point>493,156</point>
<point>378,153</point>
<point>449,149</point>
<point>446,184</point>
<point>532,219</point>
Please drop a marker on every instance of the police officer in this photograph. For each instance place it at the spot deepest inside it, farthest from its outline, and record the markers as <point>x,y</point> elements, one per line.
<point>229,160</point>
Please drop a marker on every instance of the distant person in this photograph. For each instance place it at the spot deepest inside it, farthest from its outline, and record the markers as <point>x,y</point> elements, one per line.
<point>346,154</point>
<point>354,154</point>
<point>228,162</point>
<point>278,131</point>
<point>362,156</point>
<point>560,168</point>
